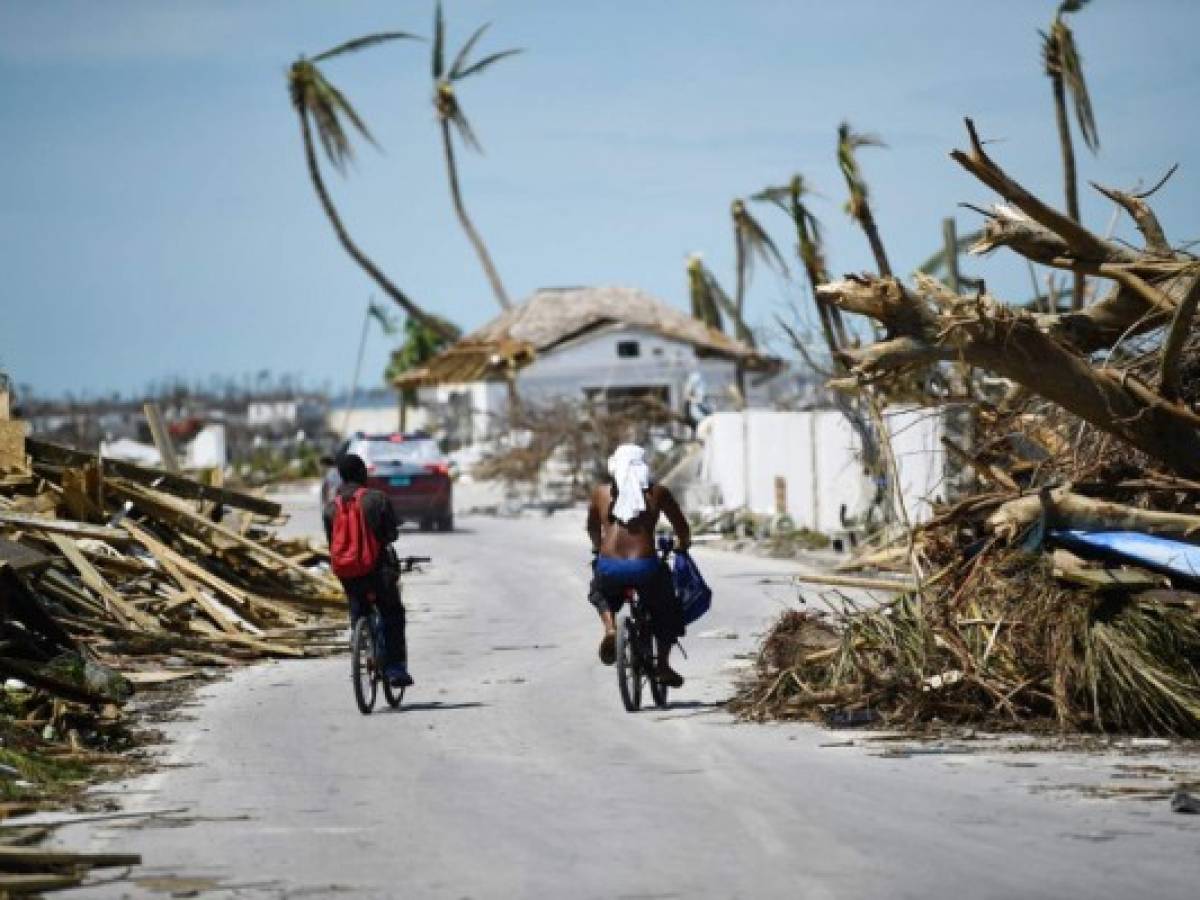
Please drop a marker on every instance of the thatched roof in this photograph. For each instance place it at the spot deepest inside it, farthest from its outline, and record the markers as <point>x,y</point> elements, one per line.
<point>553,316</point>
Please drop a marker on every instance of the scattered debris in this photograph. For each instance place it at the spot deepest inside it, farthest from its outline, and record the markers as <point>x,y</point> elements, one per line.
<point>117,579</point>
<point>1060,586</point>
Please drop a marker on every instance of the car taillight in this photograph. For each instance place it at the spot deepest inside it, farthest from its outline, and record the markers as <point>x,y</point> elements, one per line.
<point>437,469</point>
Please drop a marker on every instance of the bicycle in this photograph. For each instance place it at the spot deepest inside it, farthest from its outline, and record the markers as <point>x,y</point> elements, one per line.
<point>637,651</point>
<point>366,645</point>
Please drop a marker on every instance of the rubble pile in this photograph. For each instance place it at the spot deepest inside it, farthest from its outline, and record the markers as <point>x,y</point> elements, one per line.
<point>116,579</point>
<point>1062,588</point>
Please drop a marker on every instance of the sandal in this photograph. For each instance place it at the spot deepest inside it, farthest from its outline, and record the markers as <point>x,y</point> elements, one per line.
<point>608,649</point>
<point>668,676</point>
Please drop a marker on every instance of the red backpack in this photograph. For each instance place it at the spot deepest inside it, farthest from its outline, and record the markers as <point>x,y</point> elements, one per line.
<point>353,548</point>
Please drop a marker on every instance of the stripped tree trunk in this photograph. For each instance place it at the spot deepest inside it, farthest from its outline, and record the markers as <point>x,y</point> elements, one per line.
<point>460,209</point>
<point>343,236</point>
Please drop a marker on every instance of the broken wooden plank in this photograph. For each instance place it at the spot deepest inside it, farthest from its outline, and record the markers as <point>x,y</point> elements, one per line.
<point>192,521</point>
<point>12,447</point>
<point>31,857</point>
<point>180,486</point>
<point>162,440</point>
<point>121,608</point>
<point>14,885</point>
<point>851,581</point>
<point>62,526</point>
<point>1070,568</point>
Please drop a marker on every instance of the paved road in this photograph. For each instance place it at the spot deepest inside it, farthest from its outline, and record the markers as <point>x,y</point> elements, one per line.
<point>512,771</point>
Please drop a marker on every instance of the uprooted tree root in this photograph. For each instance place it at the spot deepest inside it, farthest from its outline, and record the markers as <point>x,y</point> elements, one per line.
<point>1005,646</point>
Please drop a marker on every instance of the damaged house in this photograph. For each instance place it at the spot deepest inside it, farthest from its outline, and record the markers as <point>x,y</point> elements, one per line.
<point>607,344</point>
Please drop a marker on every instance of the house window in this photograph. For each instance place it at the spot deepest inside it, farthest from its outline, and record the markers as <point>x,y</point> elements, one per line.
<point>628,349</point>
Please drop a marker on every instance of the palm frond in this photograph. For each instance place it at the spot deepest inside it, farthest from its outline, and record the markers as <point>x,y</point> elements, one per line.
<point>848,142</point>
<point>486,62</point>
<point>362,43</point>
<point>779,196</point>
<point>754,241</point>
<point>439,41</point>
<point>461,59</point>
<point>463,127</point>
<point>327,108</point>
<point>702,291</point>
<point>341,103</point>
<point>1072,74</point>
<point>1071,6</point>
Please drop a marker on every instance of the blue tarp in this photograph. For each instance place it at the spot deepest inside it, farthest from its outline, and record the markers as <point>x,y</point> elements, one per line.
<point>1160,554</point>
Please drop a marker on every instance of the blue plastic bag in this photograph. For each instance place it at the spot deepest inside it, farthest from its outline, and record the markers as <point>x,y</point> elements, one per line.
<point>690,588</point>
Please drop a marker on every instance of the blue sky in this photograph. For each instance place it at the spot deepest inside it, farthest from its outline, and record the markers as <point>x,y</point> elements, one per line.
<point>156,218</point>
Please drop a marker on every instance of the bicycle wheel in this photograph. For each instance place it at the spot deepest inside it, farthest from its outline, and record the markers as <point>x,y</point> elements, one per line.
<point>629,666</point>
<point>362,665</point>
<point>658,690</point>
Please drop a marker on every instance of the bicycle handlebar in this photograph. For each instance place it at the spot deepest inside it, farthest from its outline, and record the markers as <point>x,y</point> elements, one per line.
<point>408,563</point>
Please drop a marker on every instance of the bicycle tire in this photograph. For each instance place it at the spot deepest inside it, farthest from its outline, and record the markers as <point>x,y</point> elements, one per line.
<point>362,669</point>
<point>629,667</point>
<point>658,690</point>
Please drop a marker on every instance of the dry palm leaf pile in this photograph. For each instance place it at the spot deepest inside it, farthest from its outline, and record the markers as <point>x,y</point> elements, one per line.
<point>1082,422</point>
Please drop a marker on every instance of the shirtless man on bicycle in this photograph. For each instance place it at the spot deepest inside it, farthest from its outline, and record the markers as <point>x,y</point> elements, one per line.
<point>622,518</point>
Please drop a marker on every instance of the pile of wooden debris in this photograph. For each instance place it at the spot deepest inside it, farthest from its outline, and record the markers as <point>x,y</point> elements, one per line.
<point>115,579</point>
<point>1064,587</point>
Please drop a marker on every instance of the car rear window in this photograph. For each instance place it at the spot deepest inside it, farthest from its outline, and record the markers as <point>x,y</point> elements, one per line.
<point>401,451</point>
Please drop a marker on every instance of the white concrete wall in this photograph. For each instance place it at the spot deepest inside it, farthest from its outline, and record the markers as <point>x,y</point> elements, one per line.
<point>817,454</point>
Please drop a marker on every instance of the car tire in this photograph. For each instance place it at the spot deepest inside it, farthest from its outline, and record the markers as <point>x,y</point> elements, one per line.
<point>426,525</point>
<point>446,522</point>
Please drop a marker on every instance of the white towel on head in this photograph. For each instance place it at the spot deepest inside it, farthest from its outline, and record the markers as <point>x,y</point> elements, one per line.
<point>628,468</point>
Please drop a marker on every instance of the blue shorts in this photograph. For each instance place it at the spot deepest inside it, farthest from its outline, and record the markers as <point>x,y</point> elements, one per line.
<point>627,572</point>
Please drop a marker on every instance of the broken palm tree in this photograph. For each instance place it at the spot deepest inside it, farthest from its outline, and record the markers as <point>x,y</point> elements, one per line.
<point>1062,590</point>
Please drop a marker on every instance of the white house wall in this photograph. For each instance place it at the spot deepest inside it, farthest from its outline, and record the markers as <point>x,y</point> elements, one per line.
<point>817,454</point>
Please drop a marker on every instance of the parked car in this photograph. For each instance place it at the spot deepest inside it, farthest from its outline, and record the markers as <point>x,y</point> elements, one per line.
<point>409,468</point>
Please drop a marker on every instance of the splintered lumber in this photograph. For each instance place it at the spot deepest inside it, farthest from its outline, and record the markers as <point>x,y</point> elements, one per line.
<point>12,446</point>
<point>197,524</point>
<point>22,559</point>
<point>180,486</point>
<point>162,440</point>
<point>12,885</point>
<point>121,608</point>
<point>852,581</point>
<point>1070,568</point>
<point>20,858</point>
<point>62,526</point>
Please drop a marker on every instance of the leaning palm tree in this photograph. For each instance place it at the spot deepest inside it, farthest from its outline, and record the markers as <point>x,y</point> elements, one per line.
<point>750,242</point>
<point>809,247</point>
<point>321,106</point>
<point>449,112</point>
<point>859,205</point>
<point>1065,70</point>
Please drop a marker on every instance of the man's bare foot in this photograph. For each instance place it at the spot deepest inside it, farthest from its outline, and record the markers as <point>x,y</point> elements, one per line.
<point>608,648</point>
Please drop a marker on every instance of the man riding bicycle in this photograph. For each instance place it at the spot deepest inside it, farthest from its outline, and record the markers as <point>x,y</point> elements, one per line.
<point>622,517</point>
<point>379,586</point>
